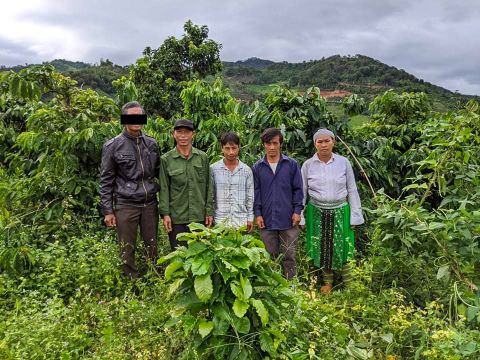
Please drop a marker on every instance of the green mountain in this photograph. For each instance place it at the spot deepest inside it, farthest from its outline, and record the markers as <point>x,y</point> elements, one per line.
<point>357,74</point>
<point>95,76</point>
<point>250,79</point>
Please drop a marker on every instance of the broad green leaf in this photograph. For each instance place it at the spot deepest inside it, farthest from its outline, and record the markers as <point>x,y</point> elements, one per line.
<point>203,287</point>
<point>241,262</point>
<point>222,312</point>
<point>242,325</point>
<point>167,257</point>
<point>240,307</point>
<point>246,287</point>
<point>171,268</point>
<point>229,266</point>
<point>195,249</point>
<point>435,225</point>
<point>473,312</point>
<point>175,285</point>
<point>388,338</point>
<point>420,227</point>
<point>205,327</point>
<point>236,289</point>
<point>442,271</point>
<point>189,322</point>
<point>226,275</point>
<point>201,264</point>
<point>261,310</point>
<point>266,343</point>
<point>220,326</point>
<point>197,226</point>
<point>357,353</point>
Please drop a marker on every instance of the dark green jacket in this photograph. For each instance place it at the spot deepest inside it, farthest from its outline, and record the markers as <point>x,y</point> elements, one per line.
<point>186,188</point>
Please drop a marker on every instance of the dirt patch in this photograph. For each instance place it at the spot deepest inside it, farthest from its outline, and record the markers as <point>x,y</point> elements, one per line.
<point>334,93</point>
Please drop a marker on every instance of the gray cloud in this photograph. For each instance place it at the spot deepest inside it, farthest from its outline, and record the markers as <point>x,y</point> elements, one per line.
<point>12,53</point>
<point>433,40</point>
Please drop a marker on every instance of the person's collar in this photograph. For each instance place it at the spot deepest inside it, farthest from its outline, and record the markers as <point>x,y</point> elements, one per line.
<point>239,164</point>
<point>176,153</point>
<point>127,135</point>
<point>315,158</point>
<point>283,157</point>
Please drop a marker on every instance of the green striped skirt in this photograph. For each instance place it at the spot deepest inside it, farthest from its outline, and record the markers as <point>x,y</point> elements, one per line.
<point>330,239</point>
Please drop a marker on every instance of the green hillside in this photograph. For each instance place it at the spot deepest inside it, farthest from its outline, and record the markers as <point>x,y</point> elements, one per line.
<point>250,79</point>
<point>358,74</point>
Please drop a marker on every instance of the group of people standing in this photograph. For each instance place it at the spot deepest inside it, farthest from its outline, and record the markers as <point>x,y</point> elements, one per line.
<point>275,193</point>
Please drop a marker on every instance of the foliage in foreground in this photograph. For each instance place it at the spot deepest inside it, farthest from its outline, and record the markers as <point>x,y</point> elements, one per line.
<point>226,292</point>
<point>416,289</point>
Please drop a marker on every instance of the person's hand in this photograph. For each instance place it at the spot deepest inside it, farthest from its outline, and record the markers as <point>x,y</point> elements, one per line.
<point>209,221</point>
<point>295,219</point>
<point>110,220</point>
<point>249,226</point>
<point>167,223</point>
<point>353,226</point>
<point>260,222</point>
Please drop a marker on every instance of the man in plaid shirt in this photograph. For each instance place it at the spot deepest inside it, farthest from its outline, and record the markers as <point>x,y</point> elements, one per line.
<point>232,186</point>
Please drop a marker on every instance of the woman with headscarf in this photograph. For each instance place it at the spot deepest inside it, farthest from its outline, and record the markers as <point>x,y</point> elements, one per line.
<point>332,209</point>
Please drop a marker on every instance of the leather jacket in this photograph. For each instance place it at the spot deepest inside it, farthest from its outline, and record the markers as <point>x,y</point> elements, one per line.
<point>129,172</point>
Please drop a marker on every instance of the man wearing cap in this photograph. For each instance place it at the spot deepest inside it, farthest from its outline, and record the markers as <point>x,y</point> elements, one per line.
<point>128,188</point>
<point>186,194</point>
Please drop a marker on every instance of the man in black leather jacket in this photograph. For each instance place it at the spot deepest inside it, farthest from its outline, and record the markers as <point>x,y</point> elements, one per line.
<point>128,189</point>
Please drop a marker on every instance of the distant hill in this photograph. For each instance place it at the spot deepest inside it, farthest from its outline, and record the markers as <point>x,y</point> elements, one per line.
<point>354,74</point>
<point>250,79</point>
<point>253,62</point>
<point>94,76</point>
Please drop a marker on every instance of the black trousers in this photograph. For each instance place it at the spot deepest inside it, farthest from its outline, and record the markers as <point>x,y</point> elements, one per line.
<point>172,235</point>
<point>128,220</point>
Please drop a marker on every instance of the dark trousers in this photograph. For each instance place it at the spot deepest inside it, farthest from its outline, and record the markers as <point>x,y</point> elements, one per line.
<point>282,242</point>
<point>128,220</point>
<point>172,235</point>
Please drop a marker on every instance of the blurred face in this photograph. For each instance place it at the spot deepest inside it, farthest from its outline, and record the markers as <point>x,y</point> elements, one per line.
<point>324,145</point>
<point>183,136</point>
<point>230,151</point>
<point>134,128</point>
<point>272,148</point>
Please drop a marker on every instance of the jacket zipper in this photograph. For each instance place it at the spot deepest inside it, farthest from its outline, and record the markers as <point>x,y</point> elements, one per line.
<point>143,171</point>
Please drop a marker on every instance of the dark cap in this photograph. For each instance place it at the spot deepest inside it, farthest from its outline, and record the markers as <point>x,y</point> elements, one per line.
<point>183,123</point>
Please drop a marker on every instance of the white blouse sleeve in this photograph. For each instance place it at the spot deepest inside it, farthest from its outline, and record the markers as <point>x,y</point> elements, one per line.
<point>356,216</point>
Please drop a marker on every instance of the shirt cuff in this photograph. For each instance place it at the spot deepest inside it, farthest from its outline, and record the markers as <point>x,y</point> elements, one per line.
<point>356,217</point>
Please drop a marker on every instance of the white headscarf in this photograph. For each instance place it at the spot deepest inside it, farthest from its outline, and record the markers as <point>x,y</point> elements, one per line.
<point>323,132</point>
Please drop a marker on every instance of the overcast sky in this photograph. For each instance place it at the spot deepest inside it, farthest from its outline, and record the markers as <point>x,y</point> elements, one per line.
<point>436,40</point>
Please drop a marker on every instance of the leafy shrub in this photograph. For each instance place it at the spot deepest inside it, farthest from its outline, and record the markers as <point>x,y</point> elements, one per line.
<point>226,294</point>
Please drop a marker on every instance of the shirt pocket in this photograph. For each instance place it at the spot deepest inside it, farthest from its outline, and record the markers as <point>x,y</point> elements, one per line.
<point>177,178</point>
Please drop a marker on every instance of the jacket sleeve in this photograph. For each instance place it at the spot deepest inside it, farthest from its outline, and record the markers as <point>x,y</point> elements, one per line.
<point>157,163</point>
<point>209,209</point>
<point>107,178</point>
<point>164,197</point>
<point>297,189</point>
<point>257,202</point>
<point>304,172</point>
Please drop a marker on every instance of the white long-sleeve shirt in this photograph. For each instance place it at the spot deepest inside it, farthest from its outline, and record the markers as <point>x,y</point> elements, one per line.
<point>232,194</point>
<point>331,183</point>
